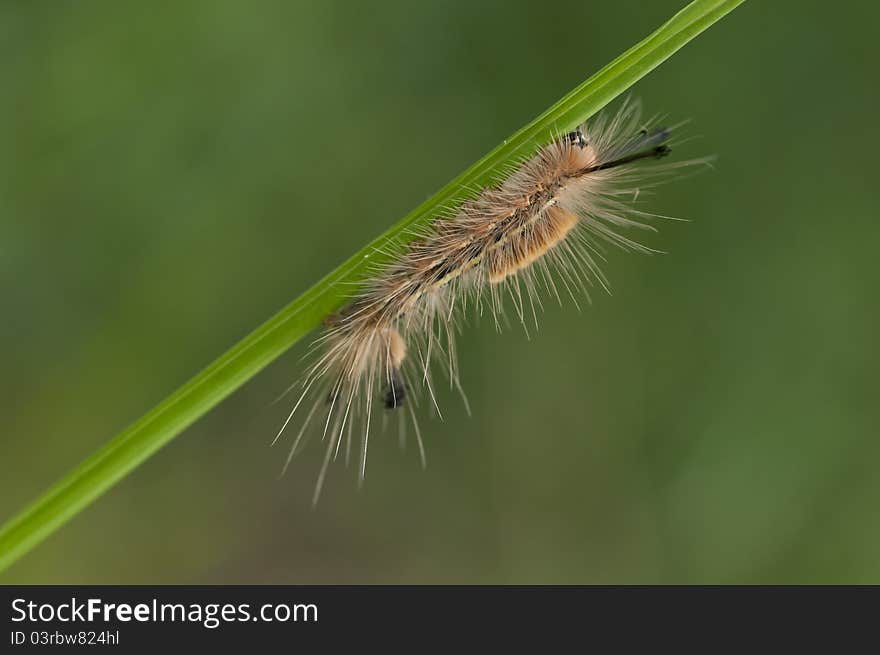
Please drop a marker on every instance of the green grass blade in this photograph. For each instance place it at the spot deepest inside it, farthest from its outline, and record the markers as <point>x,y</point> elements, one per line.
<point>232,369</point>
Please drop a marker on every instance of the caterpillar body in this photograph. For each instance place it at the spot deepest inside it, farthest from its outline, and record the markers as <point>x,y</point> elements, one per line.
<point>543,226</point>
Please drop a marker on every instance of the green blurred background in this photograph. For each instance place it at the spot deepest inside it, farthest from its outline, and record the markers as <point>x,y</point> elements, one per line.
<point>172,173</point>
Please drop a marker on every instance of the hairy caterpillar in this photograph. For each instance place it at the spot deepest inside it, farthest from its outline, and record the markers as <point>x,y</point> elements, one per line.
<point>542,226</point>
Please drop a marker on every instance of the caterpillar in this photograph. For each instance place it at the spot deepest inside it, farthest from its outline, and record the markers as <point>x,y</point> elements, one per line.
<point>541,228</point>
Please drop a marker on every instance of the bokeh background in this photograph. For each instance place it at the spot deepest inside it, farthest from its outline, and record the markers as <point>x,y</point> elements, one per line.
<point>172,173</point>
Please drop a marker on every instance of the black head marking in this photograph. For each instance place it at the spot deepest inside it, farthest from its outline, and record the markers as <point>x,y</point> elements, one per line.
<point>661,151</point>
<point>577,138</point>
